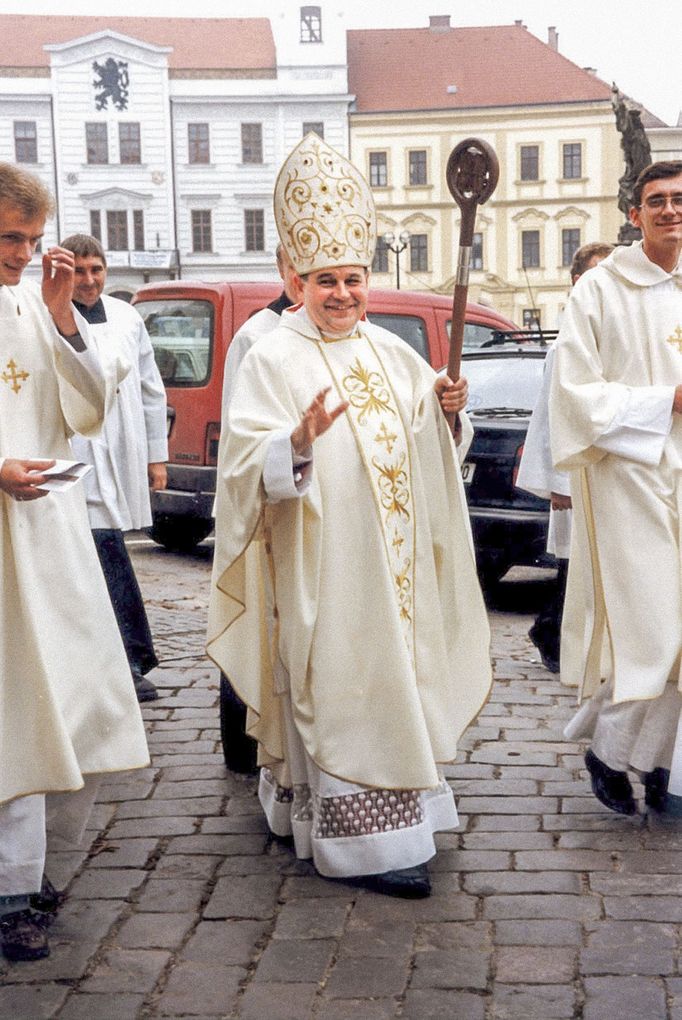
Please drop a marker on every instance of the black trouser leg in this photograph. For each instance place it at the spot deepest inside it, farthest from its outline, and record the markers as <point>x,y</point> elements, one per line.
<point>126,598</point>
<point>546,631</point>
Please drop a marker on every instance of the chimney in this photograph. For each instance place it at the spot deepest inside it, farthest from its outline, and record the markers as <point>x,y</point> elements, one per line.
<point>553,38</point>
<point>519,23</point>
<point>439,22</point>
<point>591,70</point>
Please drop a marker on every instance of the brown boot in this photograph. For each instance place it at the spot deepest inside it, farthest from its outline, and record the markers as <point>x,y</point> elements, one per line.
<point>23,936</point>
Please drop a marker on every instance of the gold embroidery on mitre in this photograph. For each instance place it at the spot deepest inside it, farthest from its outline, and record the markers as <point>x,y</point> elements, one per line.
<point>14,375</point>
<point>366,391</point>
<point>324,209</point>
<point>675,338</point>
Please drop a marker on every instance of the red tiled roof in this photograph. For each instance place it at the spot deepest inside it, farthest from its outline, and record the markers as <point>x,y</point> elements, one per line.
<point>198,43</point>
<point>501,65</point>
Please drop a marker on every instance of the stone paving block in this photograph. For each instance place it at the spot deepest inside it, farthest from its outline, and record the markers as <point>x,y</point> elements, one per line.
<point>627,947</point>
<point>263,864</point>
<point>595,821</point>
<point>233,944</point>
<point>437,1004</point>
<point>452,956</point>
<point>311,919</point>
<point>298,887</point>
<point>250,896</point>
<point>505,755</point>
<point>205,843</point>
<point>190,788</point>
<point>490,883</point>
<point>506,823</point>
<point>507,805</point>
<point>467,770</point>
<point>644,908</point>
<point>235,824</point>
<point>157,736</point>
<point>154,931</point>
<point>187,772</point>
<point>163,760</point>
<point>124,791</point>
<point>200,988</point>
<point>585,805</point>
<point>651,862</point>
<point>631,884</point>
<point>127,970</point>
<point>564,860</point>
<point>674,990</point>
<point>123,853</point>
<point>295,960</point>
<point>99,1007</point>
<point>538,933</point>
<point>543,965</point>
<point>169,747</point>
<point>161,826</point>
<point>357,978</point>
<point>103,883</point>
<point>186,866</point>
<point>476,860</point>
<point>356,1009</point>
<point>202,806</point>
<point>568,908</point>
<point>607,842</point>
<point>41,1002</point>
<point>507,840</point>
<point>496,788</point>
<point>446,903</point>
<point>172,896</point>
<point>633,997</point>
<point>277,1002</point>
<point>384,938</point>
<point>535,1002</point>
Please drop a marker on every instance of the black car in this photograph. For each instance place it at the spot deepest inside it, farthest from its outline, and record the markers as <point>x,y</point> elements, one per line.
<point>509,525</point>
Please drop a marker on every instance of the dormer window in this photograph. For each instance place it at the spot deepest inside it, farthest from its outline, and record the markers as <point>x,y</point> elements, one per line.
<point>311,24</point>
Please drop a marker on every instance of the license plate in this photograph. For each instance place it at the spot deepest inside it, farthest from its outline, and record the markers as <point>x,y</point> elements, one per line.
<point>468,472</point>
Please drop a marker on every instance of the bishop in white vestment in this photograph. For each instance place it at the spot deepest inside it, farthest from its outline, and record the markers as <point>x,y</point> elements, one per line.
<point>345,606</point>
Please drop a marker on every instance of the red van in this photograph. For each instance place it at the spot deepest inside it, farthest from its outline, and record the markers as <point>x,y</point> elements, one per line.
<point>191,325</point>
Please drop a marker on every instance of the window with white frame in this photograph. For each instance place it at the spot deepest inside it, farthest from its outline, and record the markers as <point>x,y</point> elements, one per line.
<point>25,141</point>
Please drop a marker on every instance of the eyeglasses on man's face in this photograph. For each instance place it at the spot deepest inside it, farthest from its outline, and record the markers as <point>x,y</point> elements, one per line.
<point>658,202</point>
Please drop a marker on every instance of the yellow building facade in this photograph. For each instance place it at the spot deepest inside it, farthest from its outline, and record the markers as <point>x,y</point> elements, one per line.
<point>559,170</point>
<point>419,92</point>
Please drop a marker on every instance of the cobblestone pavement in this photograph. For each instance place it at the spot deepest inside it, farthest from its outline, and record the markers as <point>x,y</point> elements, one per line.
<point>544,906</point>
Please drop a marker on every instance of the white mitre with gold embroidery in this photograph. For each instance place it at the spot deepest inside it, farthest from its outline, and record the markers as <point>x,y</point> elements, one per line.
<point>324,209</point>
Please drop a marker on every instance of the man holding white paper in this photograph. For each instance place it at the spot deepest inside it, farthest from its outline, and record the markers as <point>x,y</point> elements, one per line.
<point>67,708</point>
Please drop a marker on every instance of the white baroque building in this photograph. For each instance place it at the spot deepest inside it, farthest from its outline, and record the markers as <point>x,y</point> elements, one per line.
<point>163,137</point>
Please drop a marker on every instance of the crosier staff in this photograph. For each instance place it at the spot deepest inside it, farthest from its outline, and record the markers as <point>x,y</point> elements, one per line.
<point>471,176</point>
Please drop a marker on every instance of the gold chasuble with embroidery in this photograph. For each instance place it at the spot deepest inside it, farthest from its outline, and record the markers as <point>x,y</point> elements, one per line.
<point>618,356</point>
<point>380,623</point>
<point>67,704</point>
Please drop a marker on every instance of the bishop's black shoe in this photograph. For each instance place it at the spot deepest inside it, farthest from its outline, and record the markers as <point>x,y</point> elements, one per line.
<point>410,883</point>
<point>48,900</point>
<point>656,789</point>
<point>609,786</point>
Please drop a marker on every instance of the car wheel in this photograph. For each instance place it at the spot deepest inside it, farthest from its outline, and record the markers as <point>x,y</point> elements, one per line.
<point>179,534</point>
<point>239,750</point>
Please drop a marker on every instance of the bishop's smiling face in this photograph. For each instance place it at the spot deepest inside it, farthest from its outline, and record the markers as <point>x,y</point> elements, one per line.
<point>336,299</point>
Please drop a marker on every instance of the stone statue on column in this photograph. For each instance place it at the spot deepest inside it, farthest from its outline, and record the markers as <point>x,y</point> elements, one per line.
<point>637,155</point>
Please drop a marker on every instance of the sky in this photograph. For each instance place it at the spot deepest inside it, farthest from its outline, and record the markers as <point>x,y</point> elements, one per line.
<point>631,42</point>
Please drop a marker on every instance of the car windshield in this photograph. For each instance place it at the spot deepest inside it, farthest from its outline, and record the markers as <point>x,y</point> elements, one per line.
<point>181,332</point>
<point>503,381</point>
<point>475,334</point>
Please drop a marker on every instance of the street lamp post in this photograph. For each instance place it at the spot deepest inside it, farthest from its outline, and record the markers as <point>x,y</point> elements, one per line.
<point>397,246</point>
